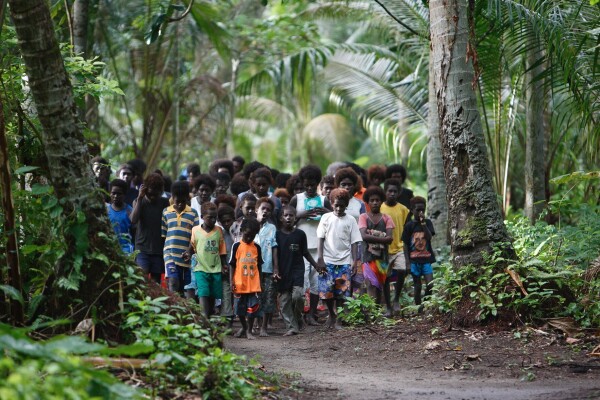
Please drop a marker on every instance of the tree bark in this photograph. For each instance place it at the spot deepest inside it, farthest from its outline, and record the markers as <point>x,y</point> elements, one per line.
<point>80,26</point>
<point>12,250</point>
<point>474,219</point>
<point>69,171</point>
<point>535,145</point>
<point>437,206</point>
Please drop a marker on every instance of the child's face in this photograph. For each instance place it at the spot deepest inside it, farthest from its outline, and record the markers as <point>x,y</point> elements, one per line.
<point>397,175</point>
<point>126,174</point>
<point>261,186</point>
<point>210,218</point>
<point>310,186</point>
<point>348,185</point>
<point>376,181</point>
<point>204,192</point>
<point>248,209</point>
<point>179,203</point>
<point>152,194</point>
<point>391,194</point>
<point>226,221</point>
<point>339,207</point>
<point>298,188</point>
<point>117,196</point>
<point>264,212</point>
<point>288,218</point>
<point>285,201</point>
<point>418,211</point>
<point>326,188</point>
<point>375,203</point>
<point>221,188</point>
<point>248,235</point>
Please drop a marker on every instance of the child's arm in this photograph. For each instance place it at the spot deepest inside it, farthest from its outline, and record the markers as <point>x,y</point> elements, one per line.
<point>187,255</point>
<point>356,263</point>
<point>224,267</point>
<point>311,260</point>
<point>387,239</point>
<point>135,214</point>
<point>320,259</point>
<point>275,251</point>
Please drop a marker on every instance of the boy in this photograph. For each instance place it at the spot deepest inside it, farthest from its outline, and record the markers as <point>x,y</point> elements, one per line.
<point>248,210</point>
<point>208,243</point>
<point>339,238</point>
<point>245,264</point>
<point>147,214</point>
<point>268,249</point>
<point>290,275</point>
<point>417,247</point>
<point>399,214</point>
<point>310,206</point>
<point>177,223</point>
<point>225,218</point>
<point>119,214</point>
<point>327,185</point>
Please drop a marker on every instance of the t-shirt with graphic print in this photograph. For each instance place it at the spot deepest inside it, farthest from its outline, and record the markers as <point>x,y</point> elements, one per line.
<point>420,250</point>
<point>209,247</point>
<point>247,260</point>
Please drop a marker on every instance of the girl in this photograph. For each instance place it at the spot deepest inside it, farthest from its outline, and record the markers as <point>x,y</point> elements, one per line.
<point>376,230</point>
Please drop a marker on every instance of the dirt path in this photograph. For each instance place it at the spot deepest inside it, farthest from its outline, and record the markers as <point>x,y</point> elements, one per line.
<point>406,362</point>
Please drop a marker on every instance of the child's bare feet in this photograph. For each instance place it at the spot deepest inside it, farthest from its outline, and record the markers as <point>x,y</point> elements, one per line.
<point>263,333</point>
<point>269,326</point>
<point>249,336</point>
<point>240,333</point>
<point>331,322</point>
<point>291,332</point>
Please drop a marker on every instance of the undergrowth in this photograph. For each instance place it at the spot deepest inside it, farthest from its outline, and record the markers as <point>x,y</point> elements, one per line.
<point>554,274</point>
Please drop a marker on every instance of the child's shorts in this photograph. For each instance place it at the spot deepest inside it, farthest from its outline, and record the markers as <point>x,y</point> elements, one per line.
<point>246,304</point>
<point>420,269</point>
<point>173,271</point>
<point>335,283</point>
<point>268,296</point>
<point>151,263</point>
<point>209,284</point>
<point>397,262</point>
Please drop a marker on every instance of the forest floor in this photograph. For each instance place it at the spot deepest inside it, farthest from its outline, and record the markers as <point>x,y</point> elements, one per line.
<point>419,357</point>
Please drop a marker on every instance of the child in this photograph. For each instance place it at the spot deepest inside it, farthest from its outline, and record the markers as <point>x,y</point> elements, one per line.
<point>248,209</point>
<point>397,261</point>
<point>208,243</point>
<point>310,206</point>
<point>376,230</point>
<point>222,181</point>
<point>291,272</point>
<point>327,185</point>
<point>283,196</point>
<point>417,247</point>
<point>339,238</point>
<point>177,223</point>
<point>245,264</point>
<point>268,249</point>
<point>204,186</point>
<point>119,214</point>
<point>397,171</point>
<point>225,218</point>
<point>147,214</point>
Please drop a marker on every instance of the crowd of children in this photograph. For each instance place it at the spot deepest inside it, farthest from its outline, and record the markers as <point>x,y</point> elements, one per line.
<point>244,239</point>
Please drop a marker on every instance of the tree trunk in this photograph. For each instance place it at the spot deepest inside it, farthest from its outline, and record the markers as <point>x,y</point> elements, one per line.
<point>474,219</point>
<point>90,239</point>
<point>535,154</point>
<point>80,26</point>
<point>437,207</point>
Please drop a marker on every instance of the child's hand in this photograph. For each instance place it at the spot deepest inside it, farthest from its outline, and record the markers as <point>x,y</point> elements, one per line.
<point>224,269</point>
<point>322,267</point>
<point>355,266</point>
<point>276,276</point>
<point>142,191</point>
<point>185,256</point>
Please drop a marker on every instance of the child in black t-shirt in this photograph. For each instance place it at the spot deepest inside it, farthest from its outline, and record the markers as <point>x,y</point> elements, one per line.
<point>290,272</point>
<point>419,255</point>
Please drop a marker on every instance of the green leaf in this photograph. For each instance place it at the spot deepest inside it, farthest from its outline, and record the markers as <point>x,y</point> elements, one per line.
<point>131,350</point>
<point>12,293</point>
<point>25,169</point>
<point>40,189</point>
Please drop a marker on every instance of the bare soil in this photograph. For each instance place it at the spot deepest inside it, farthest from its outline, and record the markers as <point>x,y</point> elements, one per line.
<point>420,357</point>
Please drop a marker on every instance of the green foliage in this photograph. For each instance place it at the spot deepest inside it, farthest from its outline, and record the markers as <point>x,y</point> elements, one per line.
<point>186,353</point>
<point>54,369</point>
<point>553,266</point>
<point>360,310</point>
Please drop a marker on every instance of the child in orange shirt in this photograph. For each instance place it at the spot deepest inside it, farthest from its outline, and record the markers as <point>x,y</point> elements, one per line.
<point>245,272</point>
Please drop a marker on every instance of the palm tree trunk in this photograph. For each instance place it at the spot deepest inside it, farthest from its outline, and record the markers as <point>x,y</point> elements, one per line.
<point>535,154</point>
<point>437,207</point>
<point>69,169</point>
<point>80,26</point>
<point>475,221</point>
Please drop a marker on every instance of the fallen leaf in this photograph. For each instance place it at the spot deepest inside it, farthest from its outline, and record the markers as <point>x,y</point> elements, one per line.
<point>565,324</point>
<point>473,357</point>
<point>432,345</point>
<point>571,340</point>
